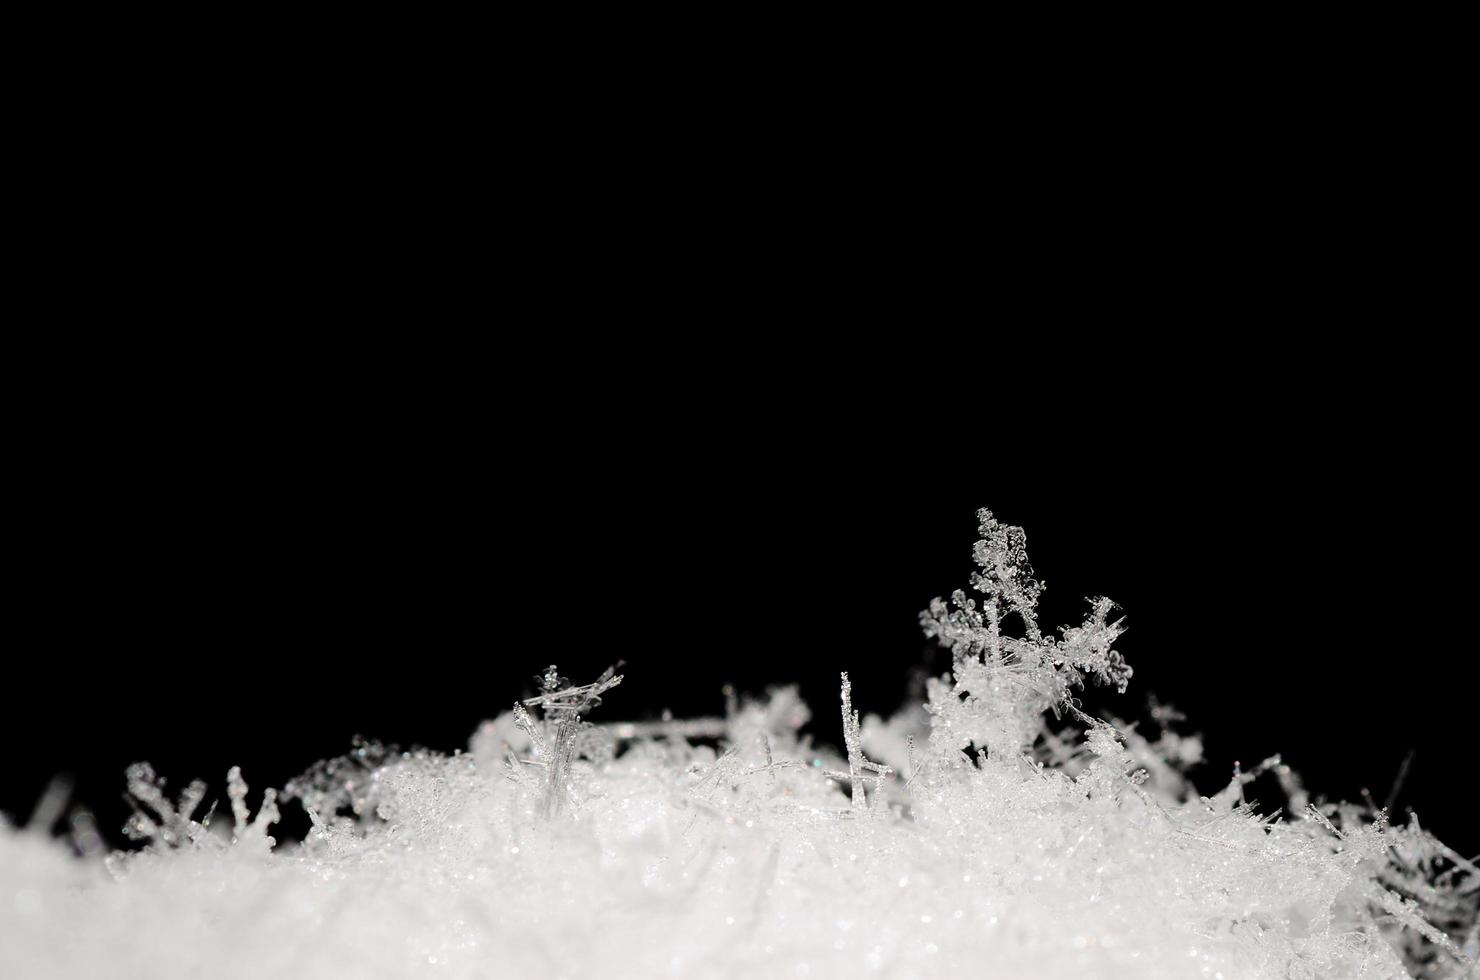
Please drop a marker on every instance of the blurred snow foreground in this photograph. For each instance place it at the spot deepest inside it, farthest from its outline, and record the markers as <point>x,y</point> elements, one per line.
<point>994,831</point>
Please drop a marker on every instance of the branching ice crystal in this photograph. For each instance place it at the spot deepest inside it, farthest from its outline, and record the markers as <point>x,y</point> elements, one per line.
<point>858,763</point>
<point>1003,683</point>
<point>563,735</point>
<point>170,824</point>
<point>248,830</point>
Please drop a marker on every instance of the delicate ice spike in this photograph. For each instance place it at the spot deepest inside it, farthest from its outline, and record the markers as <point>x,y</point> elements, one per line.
<point>531,728</point>
<point>858,763</point>
<point>191,798</point>
<point>575,697</point>
<point>267,813</point>
<point>236,790</point>
<point>146,787</point>
<point>783,764</point>
<point>853,742</point>
<point>1398,780</point>
<point>53,802</point>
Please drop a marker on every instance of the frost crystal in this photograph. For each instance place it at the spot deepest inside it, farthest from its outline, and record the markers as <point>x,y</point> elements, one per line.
<point>1004,683</point>
<point>1023,839</point>
<point>171,824</point>
<point>858,764</point>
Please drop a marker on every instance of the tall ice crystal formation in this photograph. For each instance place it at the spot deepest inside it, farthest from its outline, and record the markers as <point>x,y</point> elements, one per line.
<point>998,832</point>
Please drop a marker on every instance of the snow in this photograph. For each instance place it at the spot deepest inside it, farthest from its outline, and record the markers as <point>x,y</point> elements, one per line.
<point>1059,845</point>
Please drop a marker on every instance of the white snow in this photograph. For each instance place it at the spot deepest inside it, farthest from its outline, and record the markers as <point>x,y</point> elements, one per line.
<point>1062,846</point>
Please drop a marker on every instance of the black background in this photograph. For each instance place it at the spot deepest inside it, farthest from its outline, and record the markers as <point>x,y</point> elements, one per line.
<point>229,572</point>
<point>353,428</point>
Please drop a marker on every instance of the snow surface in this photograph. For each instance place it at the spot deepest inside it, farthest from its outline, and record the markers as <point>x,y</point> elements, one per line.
<point>993,831</point>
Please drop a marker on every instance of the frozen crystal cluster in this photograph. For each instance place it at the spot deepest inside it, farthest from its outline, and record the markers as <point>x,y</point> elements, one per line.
<point>996,830</point>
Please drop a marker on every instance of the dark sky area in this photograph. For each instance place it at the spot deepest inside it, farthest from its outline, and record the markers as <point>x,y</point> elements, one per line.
<point>214,581</point>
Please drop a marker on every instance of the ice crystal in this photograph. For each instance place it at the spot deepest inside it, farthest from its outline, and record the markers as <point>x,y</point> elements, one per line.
<point>1004,683</point>
<point>155,818</point>
<point>249,830</point>
<point>1022,838</point>
<point>563,736</point>
<point>859,766</point>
